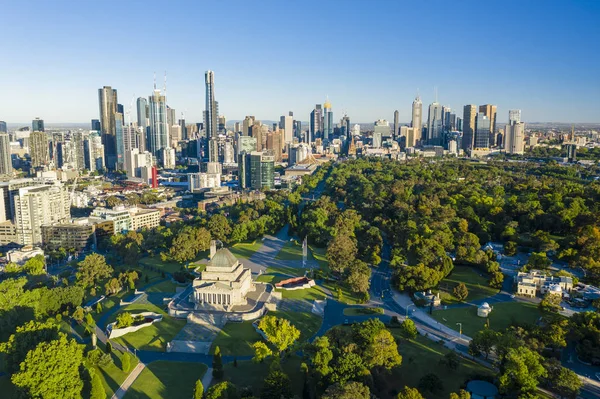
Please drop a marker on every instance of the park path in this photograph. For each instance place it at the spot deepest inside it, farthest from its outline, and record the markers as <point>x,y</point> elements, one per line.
<point>129,381</point>
<point>207,379</point>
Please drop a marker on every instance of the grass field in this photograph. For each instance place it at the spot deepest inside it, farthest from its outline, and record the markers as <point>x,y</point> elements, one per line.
<point>7,388</point>
<point>274,275</point>
<point>420,357</point>
<point>292,250</point>
<point>502,316</point>
<point>362,311</point>
<point>472,278</point>
<point>165,286</point>
<point>348,297</point>
<point>244,250</point>
<point>166,380</point>
<point>236,339</point>
<point>154,337</point>
<point>251,375</point>
<point>112,375</point>
<point>307,323</point>
<point>308,294</point>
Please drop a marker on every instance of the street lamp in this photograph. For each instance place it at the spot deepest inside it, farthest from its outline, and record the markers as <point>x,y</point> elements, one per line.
<point>412,304</point>
<point>460,329</point>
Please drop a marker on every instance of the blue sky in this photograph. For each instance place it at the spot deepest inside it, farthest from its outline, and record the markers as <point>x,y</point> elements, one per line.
<point>369,57</point>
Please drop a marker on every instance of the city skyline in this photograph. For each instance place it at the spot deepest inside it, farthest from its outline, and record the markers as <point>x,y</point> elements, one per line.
<point>539,65</point>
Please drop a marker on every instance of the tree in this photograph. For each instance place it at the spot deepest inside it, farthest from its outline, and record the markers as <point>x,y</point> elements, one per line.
<point>25,339</point>
<point>562,380</point>
<point>35,266</point>
<point>222,390</point>
<point>217,364</point>
<point>261,351</point>
<point>462,394</point>
<point>124,319</point>
<point>431,382</point>
<point>188,242</point>
<point>126,362</point>
<point>279,332</point>
<point>51,370</point>
<point>97,389</point>
<point>113,201</point>
<point>461,292</point>
<point>219,227</point>
<point>78,314</point>
<point>359,276</point>
<point>496,279</point>
<point>417,278</point>
<point>538,260</point>
<point>510,248</point>
<point>451,360</point>
<point>321,356</point>
<point>522,371</point>
<point>198,390</point>
<point>409,329</point>
<point>410,393</point>
<point>92,269</point>
<point>382,351</point>
<point>341,251</point>
<point>113,286</point>
<point>483,342</point>
<point>550,303</point>
<point>277,385</point>
<point>350,390</point>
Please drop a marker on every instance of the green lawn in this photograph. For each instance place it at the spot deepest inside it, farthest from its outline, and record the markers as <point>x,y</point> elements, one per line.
<point>166,380</point>
<point>292,250</point>
<point>171,266</point>
<point>165,286</point>
<point>112,375</point>
<point>244,250</point>
<point>308,294</point>
<point>472,278</point>
<point>7,388</point>
<point>274,275</point>
<point>251,375</point>
<point>154,337</point>
<point>236,339</point>
<point>420,357</point>
<point>348,297</point>
<point>362,311</point>
<point>109,303</point>
<point>307,323</point>
<point>502,316</point>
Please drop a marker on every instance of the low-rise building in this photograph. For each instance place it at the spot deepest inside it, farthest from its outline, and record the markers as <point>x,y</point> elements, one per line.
<point>78,235</point>
<point>22,255</point>
<point>536,281</point>
<point>141,217</point>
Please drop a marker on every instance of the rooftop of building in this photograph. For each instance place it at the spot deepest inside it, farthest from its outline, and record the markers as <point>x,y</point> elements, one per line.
<point>223,258</point>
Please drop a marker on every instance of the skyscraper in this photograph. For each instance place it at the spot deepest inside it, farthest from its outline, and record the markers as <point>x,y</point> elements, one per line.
<point>158,130</point>
<point>142,112</point>
<point>96,125</point>
<point>446,111</point>
<point>396,123</point>
<point>78,152</point>
<point>211,113</point>
<point>247,125</point>
<point>490,111</point>
<point>514,133</point>
<point>482,131</point>
<point>345,123</point>
<point>434,123</point>
<point>3,127</point>
<point>381,131</point>
<point>262,170</point>
<point>286,122</point>
<point>5,160</point>
<point>316,124</point>
<point>327,122</point>
<point>468,126</point>
<point>417,115</point>
<point>107,99</point>
<point>120,141</point>
<point>37,125</point>
<point>38,149</point>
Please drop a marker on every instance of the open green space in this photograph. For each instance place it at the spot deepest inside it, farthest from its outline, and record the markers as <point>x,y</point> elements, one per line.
<point>171,266</point>
<point>7,388</point>
<point>362,311</point>
<point>113,375</point>
<point>154,337</point>
<point>348,297</point>
<point>502,316</point>
<point>422,356</point>
<point>244,250</point>
<point>292,250</point>
<point>165,286</point>
<point>251,375</point>
<point>276,274</point>
<point>166,380</point>
<point>109,303</point>
<point>236,339</point>
<point>307,294</point>
<point>476,283</point>
<point>307,323</point>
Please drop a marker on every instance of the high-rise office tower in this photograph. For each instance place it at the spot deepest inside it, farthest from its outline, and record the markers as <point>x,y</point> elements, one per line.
<point>417,115</point>
<point>514,116</point>
<point>245,143</point>
<point>514,133</point>
<point>38,149</point>
<point>468,126</point>
<point>434,124</point>
<point>482,131</point>
<point>211,113</point>
<point>345,123</point>
<point>256,132</point>
<point>222,124</point>
<point>107,99</point>
<point>37,125</point>
<point>5,159</point>
<point>130,137</point>
<point>459,124</point>
<point>327,122</point>
<point>274,143</point>
<point>490,111</point>
<point>286,123</point>
<point>78,153</point>
<point>316,124</point>
<point>120,141</point>
<point>158,130</point>
<point>446,111</point>
<point>262,170</point>
<point>142,112</point>
<point>3,127</point>
<point>94,152</point>
<point>396,123</point>
<point>96,125</point>
<point>247,125</point>
<point>184,132</point>
<point>298,130</point>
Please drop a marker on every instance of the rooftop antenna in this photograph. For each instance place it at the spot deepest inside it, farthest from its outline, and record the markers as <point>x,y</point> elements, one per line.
<point>436,94</point>
<point>165,87</point>
<point>155,80</point>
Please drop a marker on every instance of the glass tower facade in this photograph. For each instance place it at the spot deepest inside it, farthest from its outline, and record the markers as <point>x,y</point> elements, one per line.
<point>482,131</point>
<point>158,130</point>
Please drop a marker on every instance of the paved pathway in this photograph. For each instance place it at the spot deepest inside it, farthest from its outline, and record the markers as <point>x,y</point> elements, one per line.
<point>207,379</point>
<point>129,381</point>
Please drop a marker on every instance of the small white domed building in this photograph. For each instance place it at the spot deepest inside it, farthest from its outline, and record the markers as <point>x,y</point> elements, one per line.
<point>484,310</point>
<point>555,289</point>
